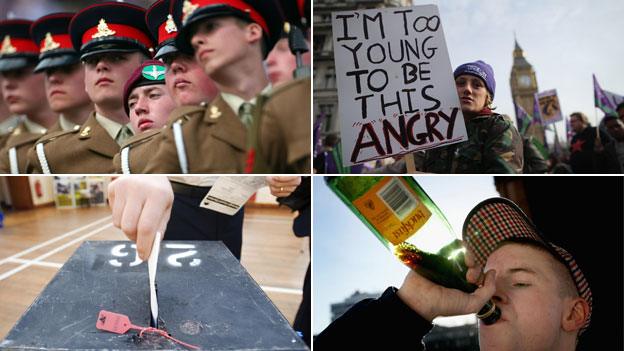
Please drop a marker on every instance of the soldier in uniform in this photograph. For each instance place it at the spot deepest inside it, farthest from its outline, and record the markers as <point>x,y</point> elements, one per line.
<point>229,39</point>
<point>64,74</point>
<point>494,144</point>
<point>24,93</point>
<point>280,144</point>
<point>112,40</point>
<point>185,78</point>
<point>282,62</point>
<point>148,103</point>
<point>64,77</point>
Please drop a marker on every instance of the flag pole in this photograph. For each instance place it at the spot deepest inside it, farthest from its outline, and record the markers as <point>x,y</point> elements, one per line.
<point>597,125</point>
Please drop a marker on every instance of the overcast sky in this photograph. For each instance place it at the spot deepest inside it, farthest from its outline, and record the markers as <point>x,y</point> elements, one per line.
<point>565,41</point>
<point>347,256</point>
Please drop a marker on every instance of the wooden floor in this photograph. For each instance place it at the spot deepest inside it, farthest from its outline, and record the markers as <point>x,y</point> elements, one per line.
<point>35,244</point>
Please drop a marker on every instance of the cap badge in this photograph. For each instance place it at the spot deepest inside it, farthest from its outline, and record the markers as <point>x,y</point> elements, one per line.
<point>103,30</point>
<point>7,47</point>
<point>187,9</point>
<point>170,27</point>
<point>49,43</point>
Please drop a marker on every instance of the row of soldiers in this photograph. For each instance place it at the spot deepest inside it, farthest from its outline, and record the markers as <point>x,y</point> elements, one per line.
<point>203,104</point>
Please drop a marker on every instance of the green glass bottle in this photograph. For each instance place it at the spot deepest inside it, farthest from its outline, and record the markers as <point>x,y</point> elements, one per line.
<point>409,224</point>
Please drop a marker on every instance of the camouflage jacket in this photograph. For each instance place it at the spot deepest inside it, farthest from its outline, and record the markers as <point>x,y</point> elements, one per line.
<point>494,146</point>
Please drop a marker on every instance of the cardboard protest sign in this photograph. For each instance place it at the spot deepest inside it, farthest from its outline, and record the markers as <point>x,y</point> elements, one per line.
<point>396,90</point>
<point>550,109</point>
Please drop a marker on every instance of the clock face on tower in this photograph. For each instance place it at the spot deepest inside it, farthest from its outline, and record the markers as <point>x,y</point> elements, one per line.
<point>524,81</point>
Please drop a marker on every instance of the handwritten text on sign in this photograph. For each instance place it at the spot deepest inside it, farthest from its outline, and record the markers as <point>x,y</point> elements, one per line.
<point>395,84</point>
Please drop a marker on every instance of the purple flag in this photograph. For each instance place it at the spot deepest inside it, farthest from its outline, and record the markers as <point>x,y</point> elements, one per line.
<point>604,100</point>
<point>318,127</point>
<point>537,116</point>
<point>523,119</point>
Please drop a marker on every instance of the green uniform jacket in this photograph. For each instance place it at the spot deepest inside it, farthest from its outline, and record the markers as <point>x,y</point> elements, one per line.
<point>494,146</point>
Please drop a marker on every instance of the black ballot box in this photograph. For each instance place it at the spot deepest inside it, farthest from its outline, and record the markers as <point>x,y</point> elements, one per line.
<point>205,298</point>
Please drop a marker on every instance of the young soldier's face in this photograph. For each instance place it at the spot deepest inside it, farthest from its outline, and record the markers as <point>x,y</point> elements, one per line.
<point>529,295</point>
<point>24,91</point>
<point>281,62</point>
<point>106,74</point>
<point>150,107</point>
<point>472,93</point>
<point>65,88</point>
<point>220,42</point>
<point>187,82</point>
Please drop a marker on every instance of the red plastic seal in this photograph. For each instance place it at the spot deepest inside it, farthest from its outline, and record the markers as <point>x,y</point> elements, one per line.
<point>114,322</point>
<point>120,324</point>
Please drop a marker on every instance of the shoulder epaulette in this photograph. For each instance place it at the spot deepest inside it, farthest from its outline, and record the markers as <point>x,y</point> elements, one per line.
<point>184,113</point>
<point>54,135</point>
<point>288,86</point>
<point>140,138</point>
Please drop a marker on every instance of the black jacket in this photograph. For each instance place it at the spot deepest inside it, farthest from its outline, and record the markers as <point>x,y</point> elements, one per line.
<point>583,158</point>
<point>373,324</point>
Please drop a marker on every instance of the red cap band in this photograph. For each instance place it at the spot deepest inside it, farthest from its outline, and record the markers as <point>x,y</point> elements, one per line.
<point>121,31</point>
<point>59,41</point>
<point>166,31</point>
<point>239,5</point>
<point>18,46</point>
<point>300,5</point>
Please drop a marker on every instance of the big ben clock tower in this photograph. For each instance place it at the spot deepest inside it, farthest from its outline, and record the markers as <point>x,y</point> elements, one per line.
<point>523,87</point>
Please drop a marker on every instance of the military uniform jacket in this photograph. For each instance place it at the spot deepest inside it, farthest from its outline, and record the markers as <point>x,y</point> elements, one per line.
<point>283,141</point>
<point>494,146</point>
<point>31,154</point>
<point>7,132</point>
<point>213,141</point>
<point>88,149</point>
<point>136,152</point>
<point>20,141</point>
<point>4,138</point>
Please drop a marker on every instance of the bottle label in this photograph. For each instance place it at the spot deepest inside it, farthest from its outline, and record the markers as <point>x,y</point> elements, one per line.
<point>393,208</point>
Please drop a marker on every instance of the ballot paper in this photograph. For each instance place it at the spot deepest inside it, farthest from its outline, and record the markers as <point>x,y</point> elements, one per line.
<point>229,194</point>
<point>152,263</point>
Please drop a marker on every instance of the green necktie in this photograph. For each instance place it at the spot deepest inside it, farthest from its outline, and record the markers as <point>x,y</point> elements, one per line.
<point>124,134</point>
<point>245,113</point>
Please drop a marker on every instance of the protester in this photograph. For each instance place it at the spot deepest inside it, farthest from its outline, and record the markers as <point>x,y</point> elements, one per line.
<point>591,149</point>
<point>615,128</point>
<point>494,144</point>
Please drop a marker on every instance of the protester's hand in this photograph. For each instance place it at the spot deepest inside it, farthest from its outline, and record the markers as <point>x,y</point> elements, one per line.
<point>431,300</point>
<point>141,207</point>
<point>283,186</point>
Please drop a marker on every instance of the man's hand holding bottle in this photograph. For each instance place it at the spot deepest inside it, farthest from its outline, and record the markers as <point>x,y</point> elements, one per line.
<point>431,300</point>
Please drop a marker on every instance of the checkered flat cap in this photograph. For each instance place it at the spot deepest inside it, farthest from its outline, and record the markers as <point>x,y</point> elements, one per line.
<point>498,219</point>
